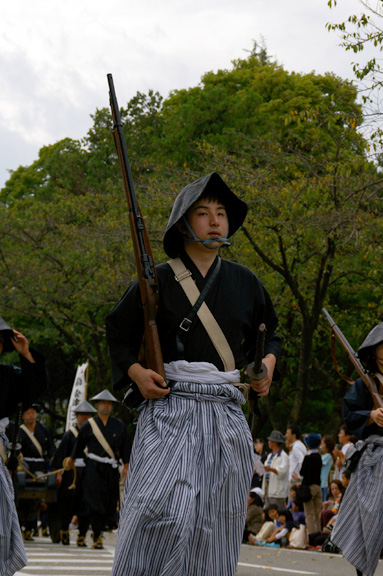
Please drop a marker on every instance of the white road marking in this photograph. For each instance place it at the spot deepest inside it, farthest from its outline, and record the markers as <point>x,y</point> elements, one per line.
<point>276,569</point>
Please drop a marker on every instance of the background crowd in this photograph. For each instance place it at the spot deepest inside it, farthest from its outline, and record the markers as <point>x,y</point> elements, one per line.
<point>297,488</point>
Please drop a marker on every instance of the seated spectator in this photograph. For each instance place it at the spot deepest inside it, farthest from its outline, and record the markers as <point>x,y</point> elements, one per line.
<point>270,523</point>
<point>298,513</point>
<point>293,495</point>
<point>331,506</point>
<point>254,516</point>
<point>327,446</point>
<point>281,535</point>
<point>346,477</point>
<point>296,507</point>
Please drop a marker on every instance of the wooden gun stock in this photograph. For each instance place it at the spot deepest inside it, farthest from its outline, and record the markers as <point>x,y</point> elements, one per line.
<point>365,376</point>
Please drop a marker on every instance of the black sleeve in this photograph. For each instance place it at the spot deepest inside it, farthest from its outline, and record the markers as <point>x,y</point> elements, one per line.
<point>356,410</point>
<point>24,384</point>
<point>124,332</point>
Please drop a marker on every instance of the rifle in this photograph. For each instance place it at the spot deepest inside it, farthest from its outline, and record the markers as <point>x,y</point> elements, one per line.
<point>12,461</point>
<point>147,277</point>
<point>363,373</point>
<point>256,371</point>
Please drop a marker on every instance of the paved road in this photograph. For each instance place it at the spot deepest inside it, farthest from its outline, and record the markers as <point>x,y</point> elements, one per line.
<point>47,559</point>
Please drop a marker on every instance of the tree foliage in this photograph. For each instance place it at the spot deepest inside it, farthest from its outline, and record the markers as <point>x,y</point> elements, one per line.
<point>288,143</point>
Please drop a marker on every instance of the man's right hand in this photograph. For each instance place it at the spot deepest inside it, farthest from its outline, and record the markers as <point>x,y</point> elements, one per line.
<point>150,384</point>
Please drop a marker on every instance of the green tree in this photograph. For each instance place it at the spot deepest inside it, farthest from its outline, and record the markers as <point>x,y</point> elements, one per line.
<point>289,143</point>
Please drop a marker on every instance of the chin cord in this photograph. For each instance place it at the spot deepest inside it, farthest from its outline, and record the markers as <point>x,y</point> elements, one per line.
<point>223,239</point>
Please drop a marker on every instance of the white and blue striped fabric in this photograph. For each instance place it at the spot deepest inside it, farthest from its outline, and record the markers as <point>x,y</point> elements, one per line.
<point>358,529</point>
<point>12,552</point>
<point>185,499</point>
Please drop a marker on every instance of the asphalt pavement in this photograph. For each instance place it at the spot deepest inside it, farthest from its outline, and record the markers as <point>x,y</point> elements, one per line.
<point>48,559</point>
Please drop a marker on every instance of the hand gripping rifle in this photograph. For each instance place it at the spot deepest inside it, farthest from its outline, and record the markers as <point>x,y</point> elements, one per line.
<point>363,373</point>
<point>146,272</point>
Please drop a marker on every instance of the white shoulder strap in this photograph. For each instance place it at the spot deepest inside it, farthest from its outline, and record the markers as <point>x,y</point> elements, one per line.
<point>33,439</point>
<point>101,438</point>
<point>184,277</point>
<point>74,431</point>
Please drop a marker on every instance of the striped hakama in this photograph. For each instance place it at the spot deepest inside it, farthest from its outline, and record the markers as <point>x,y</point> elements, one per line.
<point>185,498</point>
<point>358,528</point>
<point>12,552</point>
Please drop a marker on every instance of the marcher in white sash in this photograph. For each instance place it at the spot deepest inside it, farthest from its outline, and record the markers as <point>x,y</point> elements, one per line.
<point>358,527</point>
<point>106,441</point>
<point>38,450</point>
<point>70,496</point>
<point>17,385</point>
<point>185,500</point>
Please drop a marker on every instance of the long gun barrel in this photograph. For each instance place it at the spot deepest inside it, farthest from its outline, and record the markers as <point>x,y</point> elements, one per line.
<point>365,376</point>
<point>147,277</point>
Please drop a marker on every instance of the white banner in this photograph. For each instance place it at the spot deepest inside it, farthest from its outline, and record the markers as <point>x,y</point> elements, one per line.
<point>78,394</point>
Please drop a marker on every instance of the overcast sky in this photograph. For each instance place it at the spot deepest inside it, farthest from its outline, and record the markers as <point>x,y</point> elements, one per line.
<point>54,56</point>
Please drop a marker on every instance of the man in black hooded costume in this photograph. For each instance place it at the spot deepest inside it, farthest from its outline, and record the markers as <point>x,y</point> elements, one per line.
<point>24,385</point>
<point>358,528</point>
<point>191,466</point>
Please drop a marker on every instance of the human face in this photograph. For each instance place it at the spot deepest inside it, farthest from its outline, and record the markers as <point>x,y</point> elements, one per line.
<point>81,418</point>
<point>335,492</point>
<point>379,357</point>
<point>343,438</point>
<point>258,447</point>
<point>208,220</point>
<point>104,407</point>
<point>323,447</point>
<point>30,415</point>
<point>289,437</point>
<point>273,514</point>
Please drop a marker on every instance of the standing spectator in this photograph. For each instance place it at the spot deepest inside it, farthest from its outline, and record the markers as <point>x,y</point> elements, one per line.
<point>327,446</point>
<point>70,498</point>
<point>340,455</point>
<point>106,441</point>
<point>38,450</point>
<point>297,450</point>
<point>22,385</point>
<point>310,474</point>
<point>260,448</point>
<point>275,484</point>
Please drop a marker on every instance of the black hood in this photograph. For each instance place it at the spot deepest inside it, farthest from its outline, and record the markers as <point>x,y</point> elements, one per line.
<point>373,338</point>
<point>211,184</point>
<point>8,334</point>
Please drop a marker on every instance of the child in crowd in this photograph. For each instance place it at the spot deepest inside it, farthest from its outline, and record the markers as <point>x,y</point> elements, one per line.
<point>296,507</point>
<point>270,523</point>
<point>280,536</point>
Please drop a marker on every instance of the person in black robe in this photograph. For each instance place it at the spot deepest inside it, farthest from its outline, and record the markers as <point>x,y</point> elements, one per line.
<point>357,530</point>
<point>19,386</point>
<point>101,477</point>
<point>185,498</point>
<point>37,458</point>
<point>70,495</point>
